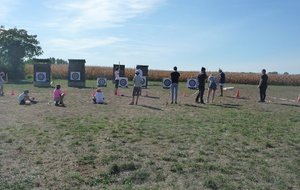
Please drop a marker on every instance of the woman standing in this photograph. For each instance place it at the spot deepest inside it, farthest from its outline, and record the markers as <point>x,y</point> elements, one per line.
<point>212,87</point>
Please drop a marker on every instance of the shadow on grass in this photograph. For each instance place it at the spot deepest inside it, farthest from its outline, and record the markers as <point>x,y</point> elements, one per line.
<point>292,105</point>
<point>194,106</point>
<point>241,98</point>
<point>153,97</point>
<point>227,105</point>
<point>150,107</point>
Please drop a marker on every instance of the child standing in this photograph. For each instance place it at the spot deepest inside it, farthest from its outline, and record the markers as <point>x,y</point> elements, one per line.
<point>58,96</point>
<point>212,87</point>
<point>99,97</point>
<point>2,82</point>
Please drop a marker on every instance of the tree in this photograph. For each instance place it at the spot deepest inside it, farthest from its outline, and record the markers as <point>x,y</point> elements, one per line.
<point>285,73</point>
<point>15,46</point>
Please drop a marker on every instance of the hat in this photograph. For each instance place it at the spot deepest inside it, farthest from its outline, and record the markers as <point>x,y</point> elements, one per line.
<point>26,91</point>
<point>99,90</point>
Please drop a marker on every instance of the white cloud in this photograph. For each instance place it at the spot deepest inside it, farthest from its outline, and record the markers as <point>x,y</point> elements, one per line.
<point>81,44</point>
<point>96,14</point>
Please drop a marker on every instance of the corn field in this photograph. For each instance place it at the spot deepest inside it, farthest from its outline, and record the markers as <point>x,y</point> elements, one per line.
<point>94,72</point>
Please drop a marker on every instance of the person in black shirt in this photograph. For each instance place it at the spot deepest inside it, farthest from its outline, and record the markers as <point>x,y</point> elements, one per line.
<point>263,85</point>
<point>174,87</point>
<point>202,77</point>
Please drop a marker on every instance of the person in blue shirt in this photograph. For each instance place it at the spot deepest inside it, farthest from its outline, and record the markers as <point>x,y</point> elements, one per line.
<point>222,81</point>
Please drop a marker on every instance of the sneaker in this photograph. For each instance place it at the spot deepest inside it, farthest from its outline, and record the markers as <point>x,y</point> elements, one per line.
<point>202,102</point>
<point>220,95</point>
<point>131,103</point>
<point>56,104</point>
<point>175,102</point>
<point>261,101</point>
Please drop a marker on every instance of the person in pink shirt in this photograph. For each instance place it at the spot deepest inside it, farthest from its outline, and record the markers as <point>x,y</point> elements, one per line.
<point>58,96</point>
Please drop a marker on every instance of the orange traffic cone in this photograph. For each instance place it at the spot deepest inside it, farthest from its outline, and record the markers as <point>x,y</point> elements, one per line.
<point>146,94</point>
<point>184,94</point>
<point>237,95</point>
<point>118,93</point>
<point>12,92</point>
<point>299,98</point>
<point>65,92</point>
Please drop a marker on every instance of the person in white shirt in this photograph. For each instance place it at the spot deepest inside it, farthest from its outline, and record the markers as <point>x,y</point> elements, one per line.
<point>138,69</point>
<point>117,79</point>
<point>98,97</point>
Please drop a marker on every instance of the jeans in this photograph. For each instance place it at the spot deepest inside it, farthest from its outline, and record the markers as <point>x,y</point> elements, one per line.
<point>174,91</point>
<point>200,94</point>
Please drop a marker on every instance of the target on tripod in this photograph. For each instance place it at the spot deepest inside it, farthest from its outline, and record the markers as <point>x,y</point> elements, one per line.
<point>75,75</point>
<point>123,82</point>
<point>167,83</point>
<point>192,83</point>
<point>144,81</point>
<point>40,76</point>
<point>101,82</point>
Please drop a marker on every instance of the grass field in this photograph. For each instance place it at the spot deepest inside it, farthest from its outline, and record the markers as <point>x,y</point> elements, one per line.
<point>234,143</point>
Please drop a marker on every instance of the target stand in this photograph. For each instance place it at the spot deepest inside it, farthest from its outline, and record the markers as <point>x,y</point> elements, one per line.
<point>144,68</point>
<point>101,82</point>
<point>144,81</point>
<point>42,73</point>
<point>192,83</point>
<point>166,83</point>
<point>76,73</point>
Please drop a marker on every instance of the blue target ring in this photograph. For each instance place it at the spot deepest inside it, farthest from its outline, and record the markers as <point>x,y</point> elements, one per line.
<point>41,76</point>
<point>143,81</point>
<point>101,82</point>
<point>192,83</point>
<point>167,82</point>
<point>75,76</point>
<point>123,82</point>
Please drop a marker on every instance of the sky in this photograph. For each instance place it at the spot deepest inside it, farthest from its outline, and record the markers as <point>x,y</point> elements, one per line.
<point>234,35</point>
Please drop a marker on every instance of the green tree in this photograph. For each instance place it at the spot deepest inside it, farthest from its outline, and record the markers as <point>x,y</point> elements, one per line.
<point>15,46</point>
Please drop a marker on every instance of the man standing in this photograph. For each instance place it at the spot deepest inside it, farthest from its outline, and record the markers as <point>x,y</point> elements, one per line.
<point>117,79</point>
<point>263,85</point>
<point>202,77</point>
<point>137,81</point>
<point>174,87</point>
<point>140,71</point>
<point>222,81</point>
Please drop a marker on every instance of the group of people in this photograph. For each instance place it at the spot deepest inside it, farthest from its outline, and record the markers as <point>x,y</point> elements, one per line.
<point>202,78</point>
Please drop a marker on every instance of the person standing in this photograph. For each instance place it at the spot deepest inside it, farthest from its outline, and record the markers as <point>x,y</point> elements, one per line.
<point>263,85</point>
<point>137,81</point>
<point>222,81</point>
<point>117,79</point>
<point>174,86</point>
<point>212,87</point>
<point>140,71</point>
<point>202,77</point>
<point>2,82</point>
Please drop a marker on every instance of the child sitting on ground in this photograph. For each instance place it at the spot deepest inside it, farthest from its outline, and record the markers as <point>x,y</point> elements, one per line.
<point>24,98</point>
<point>98,97</point>
<point>58,96</point>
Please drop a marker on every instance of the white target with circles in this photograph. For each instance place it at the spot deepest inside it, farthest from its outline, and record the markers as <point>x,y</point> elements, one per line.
<point>166,83</point>
<point>101,82</point>
<point>144,81</point>
<point>192,83</point>
<point>75,76</point>
<point>40,76</point>
<point>123,82</point>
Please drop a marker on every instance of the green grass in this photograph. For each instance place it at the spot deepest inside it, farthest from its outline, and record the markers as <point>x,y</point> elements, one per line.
<point>234,143</point>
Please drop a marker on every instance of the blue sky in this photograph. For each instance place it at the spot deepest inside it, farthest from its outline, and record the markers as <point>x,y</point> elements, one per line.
<point>235,35</point>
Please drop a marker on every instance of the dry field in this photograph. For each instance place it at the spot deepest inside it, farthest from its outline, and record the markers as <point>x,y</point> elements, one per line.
<point>234,143</point>
<point>93,72</point>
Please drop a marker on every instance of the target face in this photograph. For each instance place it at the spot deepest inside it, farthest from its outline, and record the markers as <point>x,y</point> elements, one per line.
<point>167,83</point>
<point>101,82</point>
<point>75,75</point>
<point>192,83</point>
<point>123,82</point>
<point>144,81</point>
<point>41,76</point>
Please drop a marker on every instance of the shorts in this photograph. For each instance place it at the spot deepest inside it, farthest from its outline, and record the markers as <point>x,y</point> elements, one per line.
<point>212,86</point>
<point>117,83</point>
<point>57,99</point>
<point>222,84</point>
<point>136,91</point>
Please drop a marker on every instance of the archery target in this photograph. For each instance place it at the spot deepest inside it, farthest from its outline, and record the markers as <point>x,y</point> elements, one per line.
<point>192,83</point>
<point>40,76</point>
<point>144,81</point>
<point>123,82</point>
<point>75,75</point>
<point>167,83</point>
<point>101,82</point>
